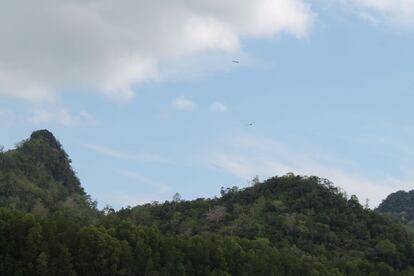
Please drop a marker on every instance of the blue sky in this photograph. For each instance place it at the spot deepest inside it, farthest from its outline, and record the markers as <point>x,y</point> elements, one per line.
<point>329,85</point>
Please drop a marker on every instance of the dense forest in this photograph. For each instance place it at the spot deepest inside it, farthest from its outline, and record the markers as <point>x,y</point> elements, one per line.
<point>287,225</point>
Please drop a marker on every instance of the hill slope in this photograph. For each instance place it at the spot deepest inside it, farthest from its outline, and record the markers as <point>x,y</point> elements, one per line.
<point>37,177</point>
<point>307,213</point>
<point>289,225</point>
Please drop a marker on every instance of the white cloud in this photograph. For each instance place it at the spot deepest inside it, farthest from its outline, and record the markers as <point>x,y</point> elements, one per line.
<point>182,103</point>
<point>218,107</point>
<point>266,158</point>
<point>396,12</point>
<point>108,46</point>
<point>61,116</point>
<point>114,153</point>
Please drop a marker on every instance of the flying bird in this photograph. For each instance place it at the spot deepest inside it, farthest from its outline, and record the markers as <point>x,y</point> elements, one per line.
<point>251,123</point>
<point>236,61</point>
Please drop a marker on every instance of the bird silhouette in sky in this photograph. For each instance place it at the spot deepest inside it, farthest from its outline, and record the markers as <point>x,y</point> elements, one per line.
<point>236,61</point>
<point>251,124</point>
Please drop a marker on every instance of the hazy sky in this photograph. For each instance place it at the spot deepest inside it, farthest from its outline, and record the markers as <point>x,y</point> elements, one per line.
<point>147,101</point>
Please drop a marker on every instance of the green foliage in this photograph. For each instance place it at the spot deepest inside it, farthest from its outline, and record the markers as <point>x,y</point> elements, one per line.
<point>288,225</point>
<point>37,177</point>
<point>127,249</point>
<point>400,207</point>
<point>305,213</point>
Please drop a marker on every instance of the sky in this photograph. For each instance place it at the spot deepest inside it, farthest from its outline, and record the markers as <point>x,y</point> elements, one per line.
<point>147,101</point>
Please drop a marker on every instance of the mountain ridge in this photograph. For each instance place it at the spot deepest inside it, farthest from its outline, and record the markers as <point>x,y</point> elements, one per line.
<point>286,225</point>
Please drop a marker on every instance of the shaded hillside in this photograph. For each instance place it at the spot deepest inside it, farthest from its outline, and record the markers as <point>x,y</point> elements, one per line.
<point>37,177</point>
<point>400,206</point>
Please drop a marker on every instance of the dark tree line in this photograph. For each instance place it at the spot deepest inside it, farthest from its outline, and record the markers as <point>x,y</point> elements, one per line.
<point>56,246</point>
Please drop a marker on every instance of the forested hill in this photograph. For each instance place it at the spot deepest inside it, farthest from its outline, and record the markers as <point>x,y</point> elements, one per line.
<point>306,213</point>
<point>289,225</point>
<point>37,177</point>
<point>400,206</point>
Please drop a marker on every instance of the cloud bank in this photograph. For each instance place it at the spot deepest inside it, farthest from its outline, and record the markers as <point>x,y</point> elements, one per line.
<point>109,46</point>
